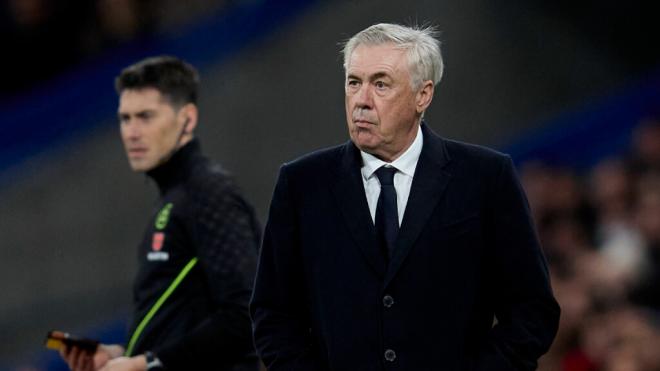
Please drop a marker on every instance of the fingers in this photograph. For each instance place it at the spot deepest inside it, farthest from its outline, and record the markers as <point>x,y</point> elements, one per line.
<point>81,362</point>
<point>75,360</point>
<point>102,356</point>
<point>78,359</point>
<point>70,355</point>
<point>64,353</point>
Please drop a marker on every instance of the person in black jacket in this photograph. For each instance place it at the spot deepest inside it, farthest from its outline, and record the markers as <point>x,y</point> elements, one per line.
<point>198,255</point>
<point>399,249</point>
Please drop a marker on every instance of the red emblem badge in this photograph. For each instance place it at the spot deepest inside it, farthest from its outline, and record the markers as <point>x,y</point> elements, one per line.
<point>157,241</point>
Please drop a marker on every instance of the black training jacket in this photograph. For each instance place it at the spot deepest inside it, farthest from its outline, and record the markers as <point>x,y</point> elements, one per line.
<point>204,322</point>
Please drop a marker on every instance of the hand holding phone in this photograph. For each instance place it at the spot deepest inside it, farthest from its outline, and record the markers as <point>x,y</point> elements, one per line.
<point>58,340</point>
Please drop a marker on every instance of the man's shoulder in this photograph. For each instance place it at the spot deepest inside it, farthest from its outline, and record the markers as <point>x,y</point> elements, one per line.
<point>463,151</point>
<point>320,160</point>
<point>469,160</point>
<point>211,187</point>
<point>209,176</point>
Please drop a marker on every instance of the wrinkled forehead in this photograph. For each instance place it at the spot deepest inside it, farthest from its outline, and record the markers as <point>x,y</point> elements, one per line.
<point>385,55</point>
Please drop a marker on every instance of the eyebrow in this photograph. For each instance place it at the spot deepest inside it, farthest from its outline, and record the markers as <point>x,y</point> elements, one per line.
<point>139,113</point>
<point>379,75</point>
<point>375,76</point>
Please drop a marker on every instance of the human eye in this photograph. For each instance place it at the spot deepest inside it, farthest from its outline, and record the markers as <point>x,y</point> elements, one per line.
<point>122,118</point>
<point>352,83</point>
<point>380,85</point>
<point>145,116</point>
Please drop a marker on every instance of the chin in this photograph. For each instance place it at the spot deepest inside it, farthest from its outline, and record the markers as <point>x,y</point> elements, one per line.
<point>139,167</point>
<point>365,141</point>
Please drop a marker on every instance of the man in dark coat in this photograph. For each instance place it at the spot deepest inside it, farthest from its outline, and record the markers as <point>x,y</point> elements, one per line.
<point>400,250</point>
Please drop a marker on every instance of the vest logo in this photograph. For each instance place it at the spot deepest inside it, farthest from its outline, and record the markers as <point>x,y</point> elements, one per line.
<point>157,241</point>
<point>163,216</point>
<point>160,256</point>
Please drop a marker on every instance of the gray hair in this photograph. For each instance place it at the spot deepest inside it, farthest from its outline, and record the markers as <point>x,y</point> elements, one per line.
<point>420,43</point>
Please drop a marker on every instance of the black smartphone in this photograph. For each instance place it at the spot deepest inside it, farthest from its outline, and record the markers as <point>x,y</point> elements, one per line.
<point>57,340</point>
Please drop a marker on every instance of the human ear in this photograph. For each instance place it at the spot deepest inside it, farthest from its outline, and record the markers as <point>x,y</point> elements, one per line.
<point>424,96</point>
<point>189,115</point>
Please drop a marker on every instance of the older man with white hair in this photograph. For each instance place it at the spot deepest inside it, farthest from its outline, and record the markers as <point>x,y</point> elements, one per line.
<point>400,249</point>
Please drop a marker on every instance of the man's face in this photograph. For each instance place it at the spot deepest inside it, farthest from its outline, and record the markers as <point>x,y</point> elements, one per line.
<point>381,108</point>
<point>149,126</point>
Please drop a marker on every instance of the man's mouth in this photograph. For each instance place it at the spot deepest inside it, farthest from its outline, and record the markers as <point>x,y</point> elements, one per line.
<point>363,124</point>
<point>139,151</point>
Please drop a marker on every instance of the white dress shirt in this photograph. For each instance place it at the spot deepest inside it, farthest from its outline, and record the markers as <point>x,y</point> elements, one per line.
<point>405,164</point>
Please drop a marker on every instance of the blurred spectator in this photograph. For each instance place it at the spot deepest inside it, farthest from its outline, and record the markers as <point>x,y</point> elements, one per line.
<point>611,191</point>
<point>537,181</point>
<point>565,219</point>
<point>647,215</point>
<point>646,147</point>
<point>616,235</point>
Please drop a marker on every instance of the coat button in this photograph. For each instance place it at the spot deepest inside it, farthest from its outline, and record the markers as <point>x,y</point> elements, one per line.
<point>388,301</point>
<point>390,355</point>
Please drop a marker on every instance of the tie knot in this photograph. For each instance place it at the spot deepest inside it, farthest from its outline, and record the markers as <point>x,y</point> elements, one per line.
<point>386,175</point>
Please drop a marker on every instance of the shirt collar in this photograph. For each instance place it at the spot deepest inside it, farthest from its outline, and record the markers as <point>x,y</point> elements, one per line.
<point>406,163</point>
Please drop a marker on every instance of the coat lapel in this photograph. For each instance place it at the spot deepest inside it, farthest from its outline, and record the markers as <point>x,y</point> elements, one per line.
<point>352,201</point>
<point>429,183</point>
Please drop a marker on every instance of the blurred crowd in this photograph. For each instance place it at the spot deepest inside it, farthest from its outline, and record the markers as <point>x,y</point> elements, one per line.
<point>46,37</point>
<point>601,235</point>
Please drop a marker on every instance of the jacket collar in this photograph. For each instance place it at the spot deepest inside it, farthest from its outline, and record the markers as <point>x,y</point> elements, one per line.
<point>178,168</point>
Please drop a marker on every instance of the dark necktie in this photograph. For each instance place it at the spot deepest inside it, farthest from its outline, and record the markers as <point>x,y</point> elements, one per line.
<point>387,215</point>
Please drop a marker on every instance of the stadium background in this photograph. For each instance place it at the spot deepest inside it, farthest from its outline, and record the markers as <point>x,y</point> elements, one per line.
<point>563,83</point>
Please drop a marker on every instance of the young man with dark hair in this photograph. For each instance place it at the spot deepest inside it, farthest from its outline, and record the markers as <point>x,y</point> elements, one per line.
<point>198,256</point>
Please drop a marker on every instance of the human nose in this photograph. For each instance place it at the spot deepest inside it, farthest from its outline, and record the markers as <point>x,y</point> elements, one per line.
<point>130,129</point>
<point>364,96</point>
